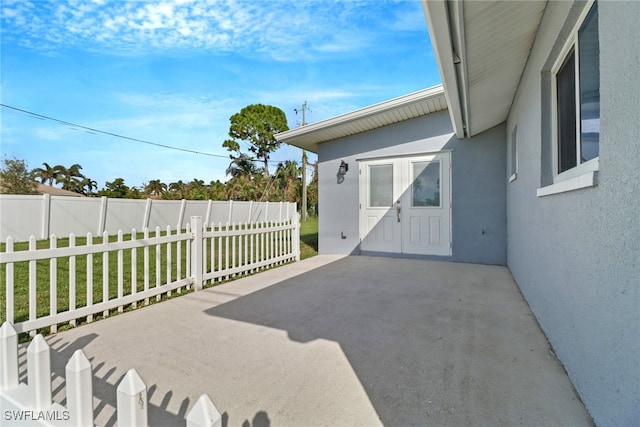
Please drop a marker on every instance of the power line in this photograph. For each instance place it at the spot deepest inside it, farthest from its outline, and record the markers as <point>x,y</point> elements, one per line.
<point>98,131</point>
<point>95,131</point>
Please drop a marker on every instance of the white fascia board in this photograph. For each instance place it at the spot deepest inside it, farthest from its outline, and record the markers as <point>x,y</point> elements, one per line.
<point>436,14</point>
<point>381,107</point>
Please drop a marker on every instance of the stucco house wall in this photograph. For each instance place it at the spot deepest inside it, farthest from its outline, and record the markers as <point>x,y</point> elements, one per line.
<point>478,185</point>
<point>576,255</point>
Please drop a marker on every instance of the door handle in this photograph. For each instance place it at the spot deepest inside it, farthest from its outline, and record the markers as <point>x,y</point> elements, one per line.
<point>398,210</point>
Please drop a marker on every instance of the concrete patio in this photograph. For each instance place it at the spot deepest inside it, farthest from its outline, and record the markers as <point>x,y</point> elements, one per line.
<point>331,341</point>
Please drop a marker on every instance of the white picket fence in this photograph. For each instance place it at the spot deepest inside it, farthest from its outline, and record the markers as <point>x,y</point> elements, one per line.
<point>217,252</point>
<point>32,404</point>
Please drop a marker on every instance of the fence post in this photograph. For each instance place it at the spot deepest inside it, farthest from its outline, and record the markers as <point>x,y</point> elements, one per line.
<point>79,389</point>
<point>39,373</point>
<point>207,219</point>
<point>147,214</point>
<point>183,206</point>
<point>132,400</point>
<point>230,212</point>
<point>204,414</point>
<point>46,215</point>
<point>9,356</point>
<point>196,252</point>
<point>102,221</point>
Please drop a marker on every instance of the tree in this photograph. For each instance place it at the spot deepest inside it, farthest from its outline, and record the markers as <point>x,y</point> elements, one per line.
<point>88,185</point>
<point>115,189</point>
<point>155,187</point>
<point>178,190</point>
<point>16,178</point>
<point>197,190</point>
<point>242,165</point>
<point>289,181</point>
<point>46,175</point>
<point>70,178</point>
<point>256,125</point>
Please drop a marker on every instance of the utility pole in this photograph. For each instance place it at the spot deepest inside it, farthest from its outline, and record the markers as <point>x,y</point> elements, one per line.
<point>303,110</point>
<point>303,208</point>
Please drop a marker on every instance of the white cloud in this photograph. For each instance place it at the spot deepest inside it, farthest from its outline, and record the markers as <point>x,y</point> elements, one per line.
<point>281,29</point>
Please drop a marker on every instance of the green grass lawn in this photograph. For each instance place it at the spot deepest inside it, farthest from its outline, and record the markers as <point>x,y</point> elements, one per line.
<point>309,237</point>
<point>109,275</point>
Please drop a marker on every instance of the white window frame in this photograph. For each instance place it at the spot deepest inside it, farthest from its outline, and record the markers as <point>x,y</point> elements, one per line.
<point>583,174</point>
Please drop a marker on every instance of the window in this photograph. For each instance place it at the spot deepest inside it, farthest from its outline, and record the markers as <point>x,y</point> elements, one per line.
<point>513,155</point>
<point>577,101</point>
<point>380,186</point>
<point>425,187</point>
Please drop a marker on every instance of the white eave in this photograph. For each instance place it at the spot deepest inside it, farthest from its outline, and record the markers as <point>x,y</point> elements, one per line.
<point>482,48</point>
<point>385,113</point>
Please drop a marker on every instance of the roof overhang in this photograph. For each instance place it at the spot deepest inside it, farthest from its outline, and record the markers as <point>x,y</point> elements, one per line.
<point>385,113</point>
<point>482,48</point>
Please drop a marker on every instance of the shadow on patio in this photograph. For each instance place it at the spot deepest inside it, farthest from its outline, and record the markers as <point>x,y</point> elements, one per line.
<point>343,341</point>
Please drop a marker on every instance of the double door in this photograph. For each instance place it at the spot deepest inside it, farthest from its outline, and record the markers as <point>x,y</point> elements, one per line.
<point>405,204</point>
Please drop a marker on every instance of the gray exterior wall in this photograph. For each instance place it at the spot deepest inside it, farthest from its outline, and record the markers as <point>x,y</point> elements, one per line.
<point>478,185</point>
<point>576,255</point>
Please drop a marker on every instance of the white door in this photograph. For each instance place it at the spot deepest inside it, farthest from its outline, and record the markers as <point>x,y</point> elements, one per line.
<point>405,205</point>
<point>380,226</point>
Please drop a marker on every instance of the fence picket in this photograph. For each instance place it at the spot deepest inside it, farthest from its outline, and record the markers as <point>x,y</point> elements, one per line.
<point>169,259</point>
<point>53,282</point>
<point>212,252</point>
<point>134,267</point>
<point>32,283</point>
<point>8,356</point>
<point>158,263</point>
<point>219,250</point>
<point>226,247</point>
<point>105,274</point>
<point>72,278</point>
<point>39,373</point>
<point>146,265</point>
<point>9,283</point>
<point>204,414</point>
<point>120,270</point>
<point>188,255</point>
<point>132,400</point>
<point>89,276</point>
<point>179,258</point>
<point>79,389</point>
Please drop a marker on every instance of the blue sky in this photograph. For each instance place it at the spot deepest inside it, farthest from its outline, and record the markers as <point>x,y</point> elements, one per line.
<point>173,72</point>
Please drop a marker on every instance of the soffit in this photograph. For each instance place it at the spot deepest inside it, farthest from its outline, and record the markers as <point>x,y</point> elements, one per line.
<point>498,39</point>
<point>385,113</point>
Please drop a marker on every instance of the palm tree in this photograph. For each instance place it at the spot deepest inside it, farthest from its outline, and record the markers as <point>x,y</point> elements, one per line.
<point>155,187</point>
<point>178,189</point>
<point>289,182</point>
<point>197,190</point>
<point>46,175</point>
<point>88,185</point>
<point>242,165</point>
<point>70,178</point>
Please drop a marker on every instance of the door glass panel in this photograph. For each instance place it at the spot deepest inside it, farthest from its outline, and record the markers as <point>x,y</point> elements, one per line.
<point>380,186</point>
<point>425,188</point>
